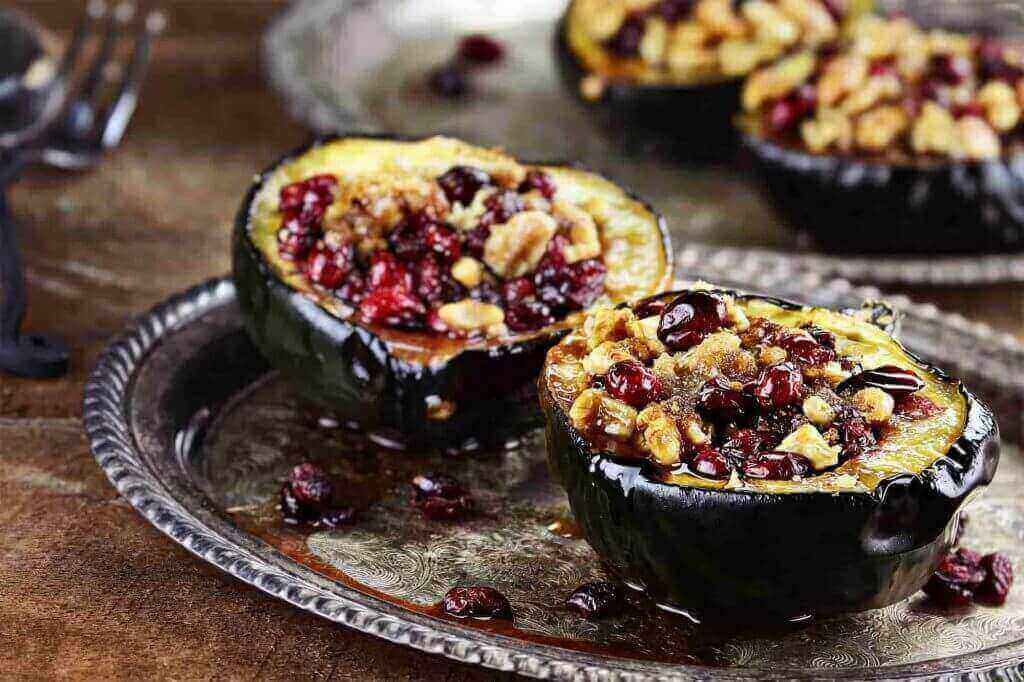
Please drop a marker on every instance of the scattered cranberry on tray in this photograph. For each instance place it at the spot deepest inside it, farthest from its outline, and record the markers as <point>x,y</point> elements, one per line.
<point>307,498</point>
<point>596,599</point>
<point>966,576</point>
<point>476,602</point>
<point>440,497</point>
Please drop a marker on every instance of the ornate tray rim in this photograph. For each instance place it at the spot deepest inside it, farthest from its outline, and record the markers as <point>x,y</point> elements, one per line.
<point>110,435</point>
<point>305,104</point>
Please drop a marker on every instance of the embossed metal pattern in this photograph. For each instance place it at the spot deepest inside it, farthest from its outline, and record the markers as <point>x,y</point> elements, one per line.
<point>345,65</point>
<point>143,436</point>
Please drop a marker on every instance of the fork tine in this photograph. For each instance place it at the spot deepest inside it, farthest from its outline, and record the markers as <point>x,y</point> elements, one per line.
<point>94,78</point>
<point>115,119</point>
<point>94,12</point>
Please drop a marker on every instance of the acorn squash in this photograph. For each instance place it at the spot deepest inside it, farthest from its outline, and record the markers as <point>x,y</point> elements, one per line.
<point>413,286</point>
<point>745,459</point>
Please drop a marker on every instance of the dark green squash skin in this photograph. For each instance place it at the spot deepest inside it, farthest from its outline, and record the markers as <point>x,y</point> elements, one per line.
<point>347,368</point>
<point>856,205</point>
<point>693,122</point>
<point>746,558</point>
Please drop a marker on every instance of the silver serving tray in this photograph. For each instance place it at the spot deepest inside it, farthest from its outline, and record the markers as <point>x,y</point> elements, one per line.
<point>344,65</point>
<point>196,433</point>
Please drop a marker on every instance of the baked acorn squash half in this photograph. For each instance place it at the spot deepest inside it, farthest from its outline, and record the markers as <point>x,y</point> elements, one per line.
<point>677,65</point>
<point>898,139</point>
<point>744,459</point>
<point>414,285</point>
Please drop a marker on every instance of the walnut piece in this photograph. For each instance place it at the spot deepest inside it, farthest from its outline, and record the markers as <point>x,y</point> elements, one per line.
<point>875,404</point>
<point>809,442</point>
<point>584,240</point>
<point>468,271</point>
<point>470,315</point>
<point>514,248</point>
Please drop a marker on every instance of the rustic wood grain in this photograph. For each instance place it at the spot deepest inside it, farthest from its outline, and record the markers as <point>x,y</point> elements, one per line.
<point>88,589</point>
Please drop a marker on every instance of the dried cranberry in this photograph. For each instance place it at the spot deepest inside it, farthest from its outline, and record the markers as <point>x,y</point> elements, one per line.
<point>673,11</point>
<point>968,109</point>
<point>650,307</point>
<point>743,443</point>
<point>306,493</point>
<point>440,497</point>
<point>443,241</point>
<point>837,8</point>
<point>785,114</point>
<point>779,385</point>
<point>596,599</point>
<point>632,383</point>
<point>805,350</point>
<point>993,63</point>
<point>855,437</point>
<point>894,380</point>
<point>950,69</point>
<point>408,240</point>
<point>393,306</point>
<point>689,318</point>
<point>480,49</point>
<point>328,268</point>
<point>774,425</point>
<point>317,190</point>
<point>476,238</point>
<point>353,289</point>
<point>569,286</point>
<point>294,246</point>
<point>718,400</point>
<point>515,290</point>
<point>626,40</point>
<point>386,272</point>
<point>449,80</point>
<point>499,207</point>
<point>711,463</point>
<point>886,66</point>
<point>915,407</point>
<point>461,183</point>
<point>776,466</point>
<point>476,602</point>
<point>336,517</point>
<point>540,181</point>
<point>529,315</point>
<point>485,292</point>
<point>434,281</point>
<point>998,580</point>
<point>934,89</point>
<point>956,578</point>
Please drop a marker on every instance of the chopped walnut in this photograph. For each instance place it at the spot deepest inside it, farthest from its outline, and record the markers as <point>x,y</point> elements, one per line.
<point>718,16</point>
<point>933,130</point>
<point>470,315</point>
<point>808,441</point>
<point>687,62</point>
<point>607,324</point>
<point>975,140</point>
<point>593,410</point>
<point>516,247</point>
<point>831,127</point>
<point>465,218</point>
<point>912,56</point>
<point>877,128</point>
<point>818,25</point>
<point>771,355</point>
<point>770,25</point>
<point>737,56</point>
<point>655,41</point>
<point>831,373</point>
<point>1000,103</point>
<point>602,20</point>
<point>875,37</point>
<point>711,353</point>
<point>818,412</point>
<point>608,353</point>
<point>592,87</point>
<point>777,80</point>
<point>842,75</point>
<point>874,90</point>
<point>585,241</point>
<point>468,271</point>
<point>660,434</point>
<point>690,34</point>
<point>875,404</point>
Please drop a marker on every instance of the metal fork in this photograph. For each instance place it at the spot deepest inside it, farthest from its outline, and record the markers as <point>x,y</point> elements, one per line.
<point>74,138</point>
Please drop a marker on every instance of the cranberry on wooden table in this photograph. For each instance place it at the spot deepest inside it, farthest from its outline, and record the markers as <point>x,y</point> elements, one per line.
<point>476,602</point>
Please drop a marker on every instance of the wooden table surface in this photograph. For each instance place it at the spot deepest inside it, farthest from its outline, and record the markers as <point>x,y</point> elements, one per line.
<point>87,587</point>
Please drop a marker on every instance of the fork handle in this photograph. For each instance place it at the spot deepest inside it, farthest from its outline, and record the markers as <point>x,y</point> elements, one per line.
<point>29,355</point>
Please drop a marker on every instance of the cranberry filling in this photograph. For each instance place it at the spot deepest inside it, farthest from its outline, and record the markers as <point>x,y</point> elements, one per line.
<point>626,40</point>
<point>404,284</point>
<point>632,383</point>
<point>779,385</point>
<point>776,466</point>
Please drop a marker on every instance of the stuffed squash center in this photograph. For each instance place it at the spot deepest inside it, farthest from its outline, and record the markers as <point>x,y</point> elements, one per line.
<point>741,393</point>
<point>436,238</point>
